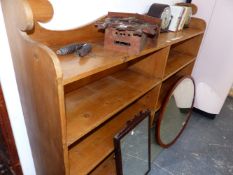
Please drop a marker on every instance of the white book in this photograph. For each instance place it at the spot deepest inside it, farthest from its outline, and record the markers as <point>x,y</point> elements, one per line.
<point>176,12</point>
<point>183,18</point>
<point>188,17</point>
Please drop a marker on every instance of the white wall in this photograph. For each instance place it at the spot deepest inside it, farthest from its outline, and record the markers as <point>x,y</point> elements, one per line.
<point>68,14</point>
<point>71,14</point>
<point>213,71</point>
<point>205,9</point>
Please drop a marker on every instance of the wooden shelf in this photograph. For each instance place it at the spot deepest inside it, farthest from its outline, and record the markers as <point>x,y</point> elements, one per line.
<point>90,106</point>
<point>75,68</point>
<point>86,155</point>
<point>176,62</point>
<point>107,167</point>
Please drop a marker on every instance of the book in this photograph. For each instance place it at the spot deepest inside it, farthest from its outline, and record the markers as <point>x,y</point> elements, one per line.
<point>183,19</point>
<point>188,17</point>
<point>176,12</point>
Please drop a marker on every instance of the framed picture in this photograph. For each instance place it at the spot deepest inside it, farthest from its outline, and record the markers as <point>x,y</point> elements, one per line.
<point>132,146</point>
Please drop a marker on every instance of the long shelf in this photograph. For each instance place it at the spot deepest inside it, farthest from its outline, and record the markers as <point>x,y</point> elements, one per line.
<point>86,155</point>
<point>176,62</point>
<point>75,68</point>
<point>90,106</point>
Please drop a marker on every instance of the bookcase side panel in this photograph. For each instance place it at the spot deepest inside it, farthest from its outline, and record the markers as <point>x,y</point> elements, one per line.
<point>39,77</point>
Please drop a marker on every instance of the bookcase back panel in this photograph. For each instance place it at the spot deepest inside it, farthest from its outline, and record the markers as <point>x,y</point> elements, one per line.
<point>168,83</point>
<point>189,47</point>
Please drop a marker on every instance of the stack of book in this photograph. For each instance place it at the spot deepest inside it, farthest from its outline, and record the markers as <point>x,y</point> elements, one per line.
<point>180,17</point>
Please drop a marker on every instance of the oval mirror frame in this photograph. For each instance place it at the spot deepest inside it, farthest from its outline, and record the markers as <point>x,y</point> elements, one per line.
<point>163,110</point>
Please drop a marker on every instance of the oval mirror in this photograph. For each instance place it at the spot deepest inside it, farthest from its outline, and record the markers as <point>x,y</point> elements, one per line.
<point>175,112</point>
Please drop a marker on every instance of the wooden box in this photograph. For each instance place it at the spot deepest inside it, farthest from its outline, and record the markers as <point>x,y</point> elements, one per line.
<point>127,41</point>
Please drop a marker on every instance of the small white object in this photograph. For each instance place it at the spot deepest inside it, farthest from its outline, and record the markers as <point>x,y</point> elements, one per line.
<point>185,17</point>
<point>177,12</point>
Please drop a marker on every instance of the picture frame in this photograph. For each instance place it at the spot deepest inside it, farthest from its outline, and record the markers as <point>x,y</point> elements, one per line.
<point>133,146</point>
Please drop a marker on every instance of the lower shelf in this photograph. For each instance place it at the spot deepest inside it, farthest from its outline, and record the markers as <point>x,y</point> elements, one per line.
<point>107,167</point>
<point>176,62</point>
<point>92,150</point>
<point>90,106</point>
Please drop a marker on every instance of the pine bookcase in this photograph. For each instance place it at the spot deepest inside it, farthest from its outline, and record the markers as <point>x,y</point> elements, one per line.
<point>74,106</point>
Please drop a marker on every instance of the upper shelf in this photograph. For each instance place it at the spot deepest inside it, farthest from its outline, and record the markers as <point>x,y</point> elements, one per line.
<point>75,68</point>
<point>30,12</point>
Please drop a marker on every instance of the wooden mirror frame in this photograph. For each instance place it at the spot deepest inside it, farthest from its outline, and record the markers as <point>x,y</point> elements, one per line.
<point>163,109</point>
<point>130,125</point>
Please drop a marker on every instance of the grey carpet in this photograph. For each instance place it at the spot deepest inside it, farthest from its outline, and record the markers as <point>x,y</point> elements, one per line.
<point>205,148</point>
